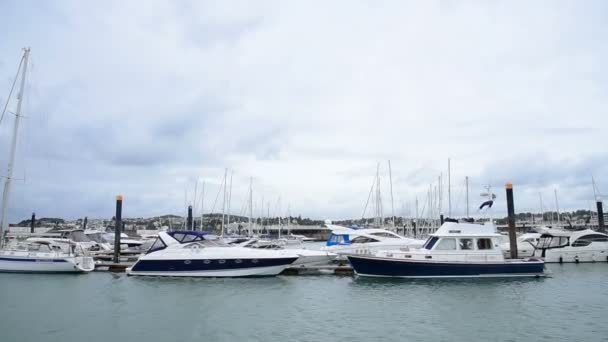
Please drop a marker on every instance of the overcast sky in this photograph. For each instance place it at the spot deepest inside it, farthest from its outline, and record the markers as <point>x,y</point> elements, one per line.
<point>144,98</point>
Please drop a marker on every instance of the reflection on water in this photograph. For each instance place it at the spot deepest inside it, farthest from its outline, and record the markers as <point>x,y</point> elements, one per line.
<point>102,306</point>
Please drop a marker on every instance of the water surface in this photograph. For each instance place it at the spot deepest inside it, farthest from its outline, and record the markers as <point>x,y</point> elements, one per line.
<point>572,305</point>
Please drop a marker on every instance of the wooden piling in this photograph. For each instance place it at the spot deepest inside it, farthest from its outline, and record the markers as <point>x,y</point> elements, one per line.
<point>190,220</point>
<point>33,223</point>
<point>511,221</point>
<point>600,216</point>
<point>117,229</point>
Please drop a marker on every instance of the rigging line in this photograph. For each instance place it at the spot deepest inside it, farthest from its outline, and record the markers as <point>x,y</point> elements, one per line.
<point>368,197</point>
<point>8,99</point>
<point>217,196</point>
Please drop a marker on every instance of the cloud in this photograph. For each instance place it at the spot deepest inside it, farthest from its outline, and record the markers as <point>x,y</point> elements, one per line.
<point>305,98</point>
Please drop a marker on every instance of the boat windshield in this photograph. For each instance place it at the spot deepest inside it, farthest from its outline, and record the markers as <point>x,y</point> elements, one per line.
<point>430,242</point>
<point>79,236</point>
<point>549,241</point>
<point>157,246</point>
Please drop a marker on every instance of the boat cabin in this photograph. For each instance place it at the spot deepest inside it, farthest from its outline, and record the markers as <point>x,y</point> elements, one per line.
<point>185,239</point>
<point>558,238</point>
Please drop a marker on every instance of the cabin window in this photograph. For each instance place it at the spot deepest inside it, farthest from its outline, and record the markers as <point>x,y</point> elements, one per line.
<point>157,245</point>
<point>465,244</point>
<point>484,243</point>
<point>446,245</point>
<point>363,239</point>
<point>588,239</point>
<point>430,242</point>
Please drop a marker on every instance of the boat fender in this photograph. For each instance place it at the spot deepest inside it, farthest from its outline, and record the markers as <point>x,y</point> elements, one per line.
<point>561,260</point>
<point>576,259</point>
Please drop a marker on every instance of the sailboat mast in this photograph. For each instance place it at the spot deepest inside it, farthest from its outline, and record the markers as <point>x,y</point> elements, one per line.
<point>202,204</point>
<point>230,196</point>
<point>449,189</point>
<point>224,200</point>
<point>288,219</point>
<point>557,207</point>
<point>542,214</point>
<point>390,176</point>
<point>250,204</point>
<point>466,180</point>
<point>11,160</point>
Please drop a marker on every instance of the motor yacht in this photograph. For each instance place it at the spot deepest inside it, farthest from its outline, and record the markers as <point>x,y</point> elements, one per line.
<point>190,254</point>
<point>43,255</point>
<point>347,241</point>
<point>561,245</point>
<point>455,250</point>
<point>306,257</point>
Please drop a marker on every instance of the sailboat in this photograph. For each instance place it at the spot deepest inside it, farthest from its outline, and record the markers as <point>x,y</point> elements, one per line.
<point>34,255</point>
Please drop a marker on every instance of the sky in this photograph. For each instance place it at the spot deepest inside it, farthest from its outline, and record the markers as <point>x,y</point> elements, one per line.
<point>305,99</point>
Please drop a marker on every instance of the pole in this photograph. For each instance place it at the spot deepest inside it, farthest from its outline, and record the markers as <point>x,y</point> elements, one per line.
<point>117,229</point>
<point>11,160</point>
<point>511,220</point>
<point>85,222</point>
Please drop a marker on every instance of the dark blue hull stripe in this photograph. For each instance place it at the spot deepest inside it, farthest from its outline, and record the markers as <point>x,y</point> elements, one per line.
<point>195,265</point>
<point>32,260</point>
<point>392,268</point>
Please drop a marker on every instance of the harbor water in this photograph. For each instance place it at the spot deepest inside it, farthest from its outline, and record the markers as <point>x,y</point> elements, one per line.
<point>571,305</point>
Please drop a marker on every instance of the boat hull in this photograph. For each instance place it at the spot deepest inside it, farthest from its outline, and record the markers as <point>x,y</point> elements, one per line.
<point>574,255</point>
<point>387,267</point>
<point>211,267</point>
<point>16,264</point>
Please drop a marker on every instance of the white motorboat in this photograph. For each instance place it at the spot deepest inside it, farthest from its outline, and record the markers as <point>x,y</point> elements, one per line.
<point>105,240</point>
<point>306,257</point>
<point>346,241</point>
<point>525,245</point>
<point>190,254</point>
<point>40,255</point>
<point>302,238</point>
<point>455,250</point>
<point>560,245</point>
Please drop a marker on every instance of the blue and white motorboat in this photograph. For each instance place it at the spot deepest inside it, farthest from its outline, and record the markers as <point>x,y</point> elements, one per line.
<point>456,250</point>
<point>191,254</point>
<point>347,241</point>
